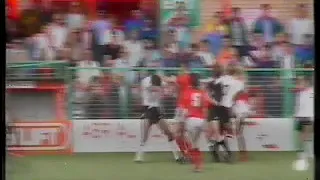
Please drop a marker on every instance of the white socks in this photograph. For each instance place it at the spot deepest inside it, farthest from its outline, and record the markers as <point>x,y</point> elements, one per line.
<point>174,148</point>
<point>140,153</point>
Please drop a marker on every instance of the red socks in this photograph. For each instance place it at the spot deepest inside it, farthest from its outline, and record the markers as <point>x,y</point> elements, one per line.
<point>184,146</point>
<point>196,158</point>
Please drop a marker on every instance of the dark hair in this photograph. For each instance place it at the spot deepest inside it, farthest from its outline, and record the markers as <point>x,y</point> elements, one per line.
<point>265,6</point>
<point>194,46</point>
<point>217,70</point>
<point>194,78</point>
<point>155,80</point>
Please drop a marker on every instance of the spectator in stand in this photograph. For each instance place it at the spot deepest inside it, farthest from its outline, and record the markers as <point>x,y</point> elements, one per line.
<point>267,25</point>
<point>239,33</point>
<point>265,58</point>
<point>217,24</point>
<point>283,55</point>
<point>135,48</point>
<point>195,60</point>
<point>75,18</point>
<point>42,45</point>
<point>124,77</point>
<point>58,33</point>
<point>85,75</point>
<point>228,54</point>
<point>11,26</point>
<point>75,43</point>
<point>30,22</point>
<point>215,33</point>
<point>151,56</point>
<point>135,23</point>
<point>86,37</point>
<point>205,55</point>
<point>47,10</point>
<point>113,48</point>
<point>96,101</point>
<point>99,28</point>
<point>300,26</point>
<point>169,57</point>
<point>65,54</point>
<point>149,32</point>
<point>110,92</point>
<point>305,54</point>
<point>181,24</point>
<point>172,44</point>
<point>114,33</point>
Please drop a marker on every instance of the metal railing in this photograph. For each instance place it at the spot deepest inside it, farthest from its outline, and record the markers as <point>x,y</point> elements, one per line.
<point>104,97</point>
<point>98,93</point>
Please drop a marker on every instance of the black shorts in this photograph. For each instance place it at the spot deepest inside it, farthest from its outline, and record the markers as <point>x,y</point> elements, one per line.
<point>153,114</point>
<point>213,114</point>
<point>302,121</point>
<point>224,114</point>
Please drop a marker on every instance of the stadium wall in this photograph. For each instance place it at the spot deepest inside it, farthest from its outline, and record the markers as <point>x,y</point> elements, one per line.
<point>124,136</point>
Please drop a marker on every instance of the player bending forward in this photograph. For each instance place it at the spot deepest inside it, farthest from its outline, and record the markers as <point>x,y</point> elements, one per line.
<point>304,117</point>
<point>231,86</point>
<point>195,107</point>
<point>151,96</point>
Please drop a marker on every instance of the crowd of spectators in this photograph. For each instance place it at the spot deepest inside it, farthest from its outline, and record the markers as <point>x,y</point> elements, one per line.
<point>103,42</point>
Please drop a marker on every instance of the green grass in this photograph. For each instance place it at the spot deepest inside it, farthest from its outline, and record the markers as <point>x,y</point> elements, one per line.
<point>158,166</point>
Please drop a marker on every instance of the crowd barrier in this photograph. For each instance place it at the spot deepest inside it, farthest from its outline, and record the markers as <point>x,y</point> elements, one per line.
<point>122,135</point>
<point>112,125</point>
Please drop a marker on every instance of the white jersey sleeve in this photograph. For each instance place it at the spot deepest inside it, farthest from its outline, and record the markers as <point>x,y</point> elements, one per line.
<point>151,97</point>
<point>230,88</point>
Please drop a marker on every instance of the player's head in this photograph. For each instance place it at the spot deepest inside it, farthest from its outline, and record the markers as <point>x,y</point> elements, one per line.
<point>155,80</point>
<point>194,78</point>
<point>184,66</point>
<point>233,70</point>
<point>217,70</point>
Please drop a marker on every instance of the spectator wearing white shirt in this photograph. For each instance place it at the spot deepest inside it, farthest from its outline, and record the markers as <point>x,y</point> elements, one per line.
<point>42,45</point>
<point>84,75</point>
<point>205,54</point>
<point>301,25</point>
<point>99,28</point>
<point>75,19</point>
<point>86,37</point>
<point>113,34</point>
<point>122,75</point>
<point>58,34</point>
<point>135,49</point>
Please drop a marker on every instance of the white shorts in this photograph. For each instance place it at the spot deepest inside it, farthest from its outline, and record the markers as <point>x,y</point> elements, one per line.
<point>179,115</point>
<point>241,109</point>
<point>193,124</point>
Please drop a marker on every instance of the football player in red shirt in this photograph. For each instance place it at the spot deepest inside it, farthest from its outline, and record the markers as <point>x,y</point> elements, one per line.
<point>195,106</point>
<point>183,83</point>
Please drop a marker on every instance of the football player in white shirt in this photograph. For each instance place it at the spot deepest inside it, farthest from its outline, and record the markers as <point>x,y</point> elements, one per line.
<point>151,88</point>
<point>231,86</point>
<point>304,115</point>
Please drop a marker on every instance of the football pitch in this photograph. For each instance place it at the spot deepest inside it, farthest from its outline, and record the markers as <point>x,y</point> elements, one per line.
<point>158,166</point>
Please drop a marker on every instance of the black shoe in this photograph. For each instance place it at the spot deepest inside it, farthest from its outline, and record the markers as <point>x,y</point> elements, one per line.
<point>181,160</point>
<point>229,157</point>
<point>215,153</point>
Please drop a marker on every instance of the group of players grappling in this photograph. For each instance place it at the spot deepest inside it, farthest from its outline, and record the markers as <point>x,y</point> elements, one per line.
<point>198,110</point>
